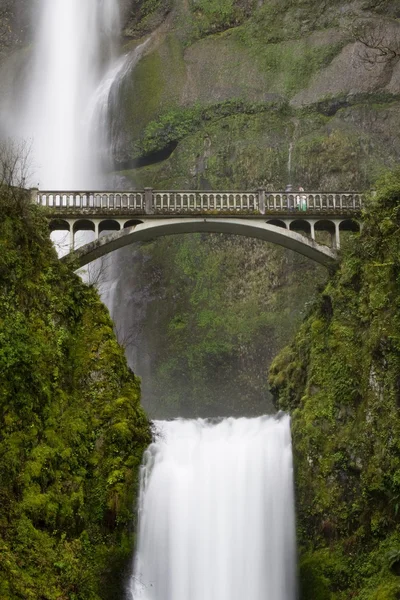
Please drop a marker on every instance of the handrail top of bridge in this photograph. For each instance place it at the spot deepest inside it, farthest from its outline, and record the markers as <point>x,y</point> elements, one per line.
<point>152,202</point>
<point>155,191</point>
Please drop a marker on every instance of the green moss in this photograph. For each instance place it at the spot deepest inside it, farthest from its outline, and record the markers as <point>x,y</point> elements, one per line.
<point>210,16</point>
<point>238,145</point>
<point>271,21</point>
<point>176,124</point>
<point>146,84</point>
<point>146,15</point>
<point>275,21</point>
<point>289,65</point>
<point>73,430</point>
<point>212,157</point>
<point>340,381</point>
<point>155,85</point>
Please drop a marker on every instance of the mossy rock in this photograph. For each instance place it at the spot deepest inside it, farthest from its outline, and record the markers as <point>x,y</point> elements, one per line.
<point>345,424</point>
<point>73,429</point>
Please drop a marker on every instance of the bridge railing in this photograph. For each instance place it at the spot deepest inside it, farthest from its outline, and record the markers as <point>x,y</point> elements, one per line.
<point>193,202</point>
<point>152,202</point>
<point>67,201</point>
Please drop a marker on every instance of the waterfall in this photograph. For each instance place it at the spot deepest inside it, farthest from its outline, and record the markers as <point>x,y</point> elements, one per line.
<point>216,516</point>
<point>73,48</point>
<point>105,100</point>
<point>289,166</point>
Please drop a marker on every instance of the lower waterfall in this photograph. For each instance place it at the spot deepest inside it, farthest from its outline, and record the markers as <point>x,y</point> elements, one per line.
<point>216,512</point>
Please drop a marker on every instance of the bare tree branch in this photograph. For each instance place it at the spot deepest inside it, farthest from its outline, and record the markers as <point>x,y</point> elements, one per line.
<point>96,274</point>
<point>15,163</point>
<point>379,41</point>
<point>15,171</point>
<point>126,339</point>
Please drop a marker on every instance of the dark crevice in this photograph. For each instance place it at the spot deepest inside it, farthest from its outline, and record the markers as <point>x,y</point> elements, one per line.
<point>150,159</point>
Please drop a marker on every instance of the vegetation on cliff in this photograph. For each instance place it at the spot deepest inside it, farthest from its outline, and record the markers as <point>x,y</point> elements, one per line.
<point>212,52</point>
<point>340,379</point>
<point>202,317</point>
<point>72,428</point>
<point>231,94</point>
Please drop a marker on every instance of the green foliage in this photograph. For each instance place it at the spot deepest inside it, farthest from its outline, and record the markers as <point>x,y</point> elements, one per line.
<point>176,124</point>
<point>340,379</point>
<point>212,16</point>
<point>331,159</point>
<point>271,21</point>
<point>276,21</point>
<point>72,429</point>
<point>217,310</point>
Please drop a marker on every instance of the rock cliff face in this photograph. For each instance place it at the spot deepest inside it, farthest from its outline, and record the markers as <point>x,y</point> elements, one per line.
<point>237,94</point>
<point>202,317</point>
<point>321,77</point>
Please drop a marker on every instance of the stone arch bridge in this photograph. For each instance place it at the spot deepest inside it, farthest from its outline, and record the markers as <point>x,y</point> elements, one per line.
<point>293,220</point>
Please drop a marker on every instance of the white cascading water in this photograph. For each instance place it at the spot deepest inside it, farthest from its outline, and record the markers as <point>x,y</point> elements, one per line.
<point>216,512</point>
<point>106,96</point>
<point>74,46</point>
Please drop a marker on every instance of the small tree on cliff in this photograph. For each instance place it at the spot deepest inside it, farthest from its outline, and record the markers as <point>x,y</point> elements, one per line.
<point>15,172</point>
<point>379,41</point>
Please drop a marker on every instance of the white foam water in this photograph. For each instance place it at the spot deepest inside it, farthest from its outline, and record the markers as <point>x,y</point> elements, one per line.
<point>73,46</point>
<point>105,99</point>
<point>216,512</point>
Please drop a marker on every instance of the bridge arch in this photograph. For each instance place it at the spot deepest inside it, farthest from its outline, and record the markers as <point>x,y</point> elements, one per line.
<point>301,225</point>
<point>80,226</point>
<point>277,223</point>
<point>132,223</point>
<point>154,228</point>
<point>109,225</point>
<point>350,225</point>
<point>84,225</point>
<point>59,225</point>
<point>329,227</point>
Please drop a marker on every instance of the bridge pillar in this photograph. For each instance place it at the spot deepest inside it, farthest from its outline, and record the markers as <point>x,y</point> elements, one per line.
<point>96,230</point>
<point>337,236</point>
<point>312,224</point>
<point>148,201</point>
<point>71,237</point>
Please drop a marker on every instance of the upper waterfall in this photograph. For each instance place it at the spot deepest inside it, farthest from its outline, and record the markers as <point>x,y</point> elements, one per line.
<point>73,48</point>
<point>216,512</point>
